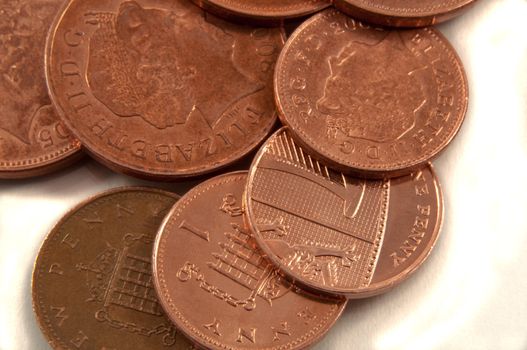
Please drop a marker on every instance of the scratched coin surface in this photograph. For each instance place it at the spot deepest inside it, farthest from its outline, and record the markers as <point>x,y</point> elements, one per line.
<point>32,139</point>
<point>159,88</point>
<point>404,13</point>
<point>219,289</point>
<point>261,11</point>
<point>332,233</point>
<point>369,101</point>
<point>92,281</point>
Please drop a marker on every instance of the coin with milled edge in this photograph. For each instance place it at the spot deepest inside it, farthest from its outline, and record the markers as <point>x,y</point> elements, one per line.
<point>219,289</point>
<point>92,280</point>
<point>404,13</point>
<point>369,101</point>
<point>263,11</point>
<point>161,89</point>
<point>33,141</point>
<point>332,233</point>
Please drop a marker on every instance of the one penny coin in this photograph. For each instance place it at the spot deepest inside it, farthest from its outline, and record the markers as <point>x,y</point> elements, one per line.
<point>219,289</point>
<point>92,281</point>
<point>404,13</point>
<point>32,139</point>
<point>159,88</point>
<point>332,233</point>
<point>263,11</point>
<point>368,101</point>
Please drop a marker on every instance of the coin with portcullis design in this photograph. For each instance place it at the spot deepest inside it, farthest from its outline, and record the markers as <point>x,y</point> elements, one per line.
<point>219,289</point>
<point>332,233</point>
<point>159,88</point>
<point>92,281</point>
<point>33,141</point>
<point>404,13</point>
<point>263,11</point>
<point>370,102</point>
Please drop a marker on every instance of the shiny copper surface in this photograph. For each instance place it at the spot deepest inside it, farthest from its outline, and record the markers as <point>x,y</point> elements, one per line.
<point>404,13</point>
<point>92,280</point>
<point>219,289</point>
<point>337,234</point>
<point>370,102</point>
<point>159,88</point>
<point>263,11</point>
<point>32,139</point>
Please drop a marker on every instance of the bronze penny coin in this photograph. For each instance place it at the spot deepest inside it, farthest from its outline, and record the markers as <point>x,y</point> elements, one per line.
<point>263,11</point>
<point>332,233</point>
<point>218,288</point>
<point>159,88</point>
<point>32,139</point>
<point>404,13</point>
<point>371,102</point>
<point>92,281</point>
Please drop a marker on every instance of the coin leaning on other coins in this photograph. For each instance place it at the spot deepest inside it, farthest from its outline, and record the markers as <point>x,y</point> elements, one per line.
<point>341,203</point>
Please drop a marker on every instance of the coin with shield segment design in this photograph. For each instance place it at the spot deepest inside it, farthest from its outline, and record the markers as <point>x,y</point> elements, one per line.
<point>33,141</point>
<point>369,101</point>
<point>332,233</point>
<point>219,289</point>
<point>404,13</point>
<point>92,281</point>
<point>263,11</point>
<point>159,88</point>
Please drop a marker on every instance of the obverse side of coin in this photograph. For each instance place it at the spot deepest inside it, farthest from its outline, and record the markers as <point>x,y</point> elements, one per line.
<point>263,11</point>
<point>404,13</point>
<point>159,88</point>
<point>32,139</point>
<point>219,289</point>
<point>92,281</point>
<point>368,101</point>
<point>332,233</point>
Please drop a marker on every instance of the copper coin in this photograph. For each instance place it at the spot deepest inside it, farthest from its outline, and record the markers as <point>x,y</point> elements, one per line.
<point>369,101</point>
<point>219,289</point>
<point>92,281</point>
<point>332,233</point>
<point>404,13</point>
<point>32,139</point>
<point>263,11</point>
<point>159,88</point>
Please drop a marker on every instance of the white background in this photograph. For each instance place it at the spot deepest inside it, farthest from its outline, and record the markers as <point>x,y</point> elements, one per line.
<point>470,294</point>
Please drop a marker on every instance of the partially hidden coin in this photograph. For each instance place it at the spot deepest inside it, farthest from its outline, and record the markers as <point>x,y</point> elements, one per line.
<point>33,141</point>
<point>371,102</point>
<point>404,13</point>
<point>92,281</point>
<point>332,233</point>
<point>263,11</point>
<point>161,89</point>
<point>219,289</point>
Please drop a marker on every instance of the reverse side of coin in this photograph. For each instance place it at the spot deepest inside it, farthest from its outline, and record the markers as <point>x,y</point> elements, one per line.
<point>92,281</point>
<point>32,139</point>
<point>404,13</point>
<point>335,234</point>
<point>219,289</point>
<point>370,102</point>
<point>159,88</point>
<point>263,11</point>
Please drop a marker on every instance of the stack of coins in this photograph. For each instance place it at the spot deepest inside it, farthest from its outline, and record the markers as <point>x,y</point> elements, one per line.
<point>340,202</point>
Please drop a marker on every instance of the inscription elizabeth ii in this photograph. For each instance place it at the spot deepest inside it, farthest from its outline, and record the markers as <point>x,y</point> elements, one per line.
<point>142,84</point>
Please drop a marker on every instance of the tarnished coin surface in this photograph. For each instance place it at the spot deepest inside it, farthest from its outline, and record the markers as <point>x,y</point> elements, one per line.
<point>159,88</point>
<point>263,11</point>
<point>219,289</point>
<point>32,139</point>
<point>404,13</point>
<point>370,102</point>
<point>332,233</point>
<point>92,281</point>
